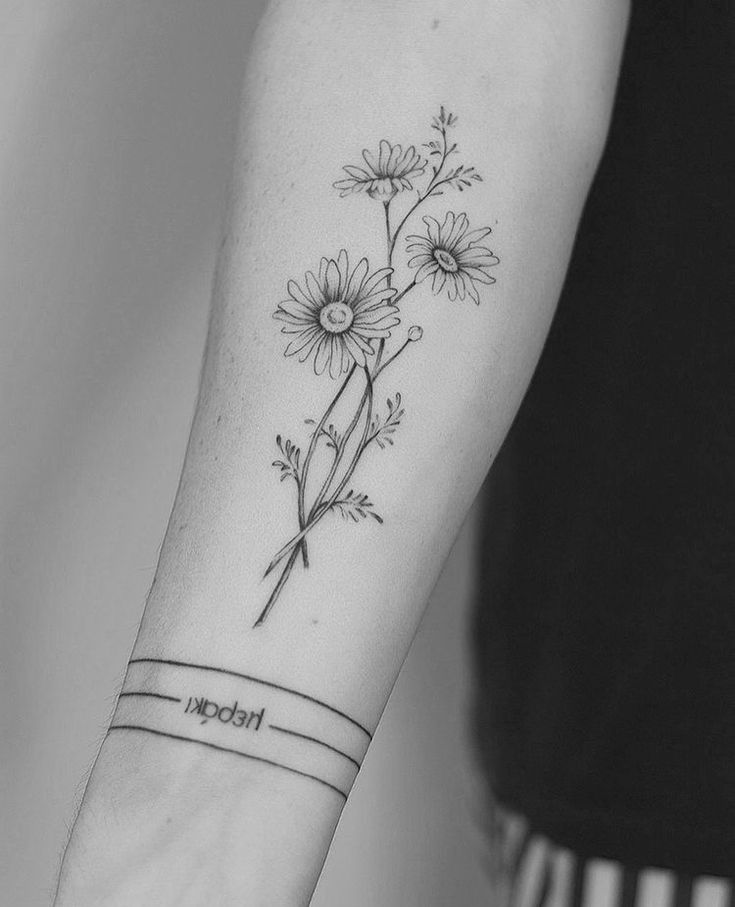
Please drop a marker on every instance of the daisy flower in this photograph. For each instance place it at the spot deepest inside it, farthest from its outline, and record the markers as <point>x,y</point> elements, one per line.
<point>452,257</point>
<point>337,314</point>
<point>385,177</point>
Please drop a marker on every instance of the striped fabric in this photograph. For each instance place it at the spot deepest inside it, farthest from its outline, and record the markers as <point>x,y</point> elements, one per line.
<point>529,870</point>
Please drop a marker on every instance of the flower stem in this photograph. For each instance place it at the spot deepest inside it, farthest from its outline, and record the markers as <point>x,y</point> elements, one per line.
<point>279,586</point>
<point>404,291</point>
<point>377,368</point>
<point>340,452</point>
<point>430,189</point>
<point>386,207</point>
<point>420,200</point>
<point>310,454</point>
<point>390,243</point>
<point>320,509</point>
<point>391,359</point>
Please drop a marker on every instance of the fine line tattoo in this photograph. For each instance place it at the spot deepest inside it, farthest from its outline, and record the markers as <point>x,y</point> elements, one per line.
<point>342,316</point>
<point>227,749</point>
<point>285,730</point>
<point>248,716</point>
<point>150,695</point>
<point>237,674</point>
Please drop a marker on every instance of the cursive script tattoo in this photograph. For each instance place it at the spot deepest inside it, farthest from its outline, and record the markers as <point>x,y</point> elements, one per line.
<point>341,316</point>
<point>245,716</point>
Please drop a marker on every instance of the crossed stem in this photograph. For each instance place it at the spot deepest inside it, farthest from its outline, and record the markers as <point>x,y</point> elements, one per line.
<point>320,508</point>
<point>310,453</point>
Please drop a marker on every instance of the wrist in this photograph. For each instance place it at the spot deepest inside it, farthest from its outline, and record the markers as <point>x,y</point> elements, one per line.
<point>169,824</point>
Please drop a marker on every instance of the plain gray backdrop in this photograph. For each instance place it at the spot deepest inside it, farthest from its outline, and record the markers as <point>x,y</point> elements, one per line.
<point>117,120</point>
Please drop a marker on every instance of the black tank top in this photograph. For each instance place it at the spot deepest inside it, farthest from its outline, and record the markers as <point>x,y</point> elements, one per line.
<point>605,622</point>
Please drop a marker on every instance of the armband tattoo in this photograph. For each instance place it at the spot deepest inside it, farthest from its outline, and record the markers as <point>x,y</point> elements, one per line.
<point>247,717</point>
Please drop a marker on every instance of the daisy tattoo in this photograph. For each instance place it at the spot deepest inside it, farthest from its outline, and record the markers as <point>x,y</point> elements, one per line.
<point>340,317</point>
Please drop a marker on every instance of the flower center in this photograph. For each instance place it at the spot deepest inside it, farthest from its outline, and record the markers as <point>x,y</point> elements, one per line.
<point>446,261</point>
<point>336,317</point>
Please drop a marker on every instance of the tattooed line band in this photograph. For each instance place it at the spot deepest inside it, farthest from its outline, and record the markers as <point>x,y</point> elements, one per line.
<point>287,729</point>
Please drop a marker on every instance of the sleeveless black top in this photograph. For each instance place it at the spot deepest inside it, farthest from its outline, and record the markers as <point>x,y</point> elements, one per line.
<point>605,622</point>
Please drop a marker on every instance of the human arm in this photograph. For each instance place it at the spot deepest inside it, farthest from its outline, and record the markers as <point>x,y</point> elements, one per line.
<point>168,820</point>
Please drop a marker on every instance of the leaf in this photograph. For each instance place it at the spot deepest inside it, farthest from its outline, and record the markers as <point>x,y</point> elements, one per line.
<point>289,465</point>
<point>382,429</point>
<point>461,177</point>
<point>356,507</point>
<point>334,439</point>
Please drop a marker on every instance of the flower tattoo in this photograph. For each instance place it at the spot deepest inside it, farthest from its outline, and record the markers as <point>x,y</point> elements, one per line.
<point>386,177</point>
<point>338,314</point>
<point>341,318</point>
<point>452,257</point>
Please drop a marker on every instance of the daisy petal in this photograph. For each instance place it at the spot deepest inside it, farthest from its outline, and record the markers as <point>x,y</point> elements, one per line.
<point>384,157</point>
<point>476,235</point>
<point>346,187</point>
<point>452,287</point>
<point>343,266</point>
<point>353,348</point>
<point>295,313</point>
<point>420,242</point>
<point>321,356</point>
<point>335,357</point>
<point>461,225</point>
<point>478,275</point>
<point>447,227</point>
<point>346,357</point>
<point>378,277</point>
<point>418,259</point>
<point>376,331</point>
<point>478,255</point>
<point>439,280</point>
<point>331,281</point>
<point>371,314</point>
<point>357,173</point>
<point>295,292</point>
<point>357,279</point>
<point>292,328</point>
<point>306,339</point>
<point>315,289</point>
<point>376,316</point>
<point>395,156</point>
<point>370,161</point>
<point>363,344</point>
<point>380,297</point>
<point>433,228</point>
<point>426,270</point>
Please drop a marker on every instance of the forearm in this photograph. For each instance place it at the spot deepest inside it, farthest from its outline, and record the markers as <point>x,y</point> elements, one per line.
<point>189,803</point>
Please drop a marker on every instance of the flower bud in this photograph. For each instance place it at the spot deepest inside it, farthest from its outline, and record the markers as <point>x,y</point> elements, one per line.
<point>415,333</point>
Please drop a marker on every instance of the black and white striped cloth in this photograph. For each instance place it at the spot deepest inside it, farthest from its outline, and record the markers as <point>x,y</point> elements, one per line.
<point>529,870</point>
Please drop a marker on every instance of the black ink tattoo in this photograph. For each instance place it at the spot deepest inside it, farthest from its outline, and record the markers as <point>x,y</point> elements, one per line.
<point>243,715</point>
<point>342,316</point>
<point>226,749</point>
